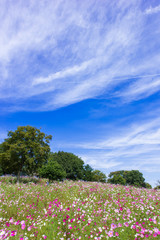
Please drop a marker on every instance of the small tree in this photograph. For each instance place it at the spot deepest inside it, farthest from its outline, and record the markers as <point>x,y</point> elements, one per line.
<point>53,171</point>
<point>98,176</point>
<point>25,150</point>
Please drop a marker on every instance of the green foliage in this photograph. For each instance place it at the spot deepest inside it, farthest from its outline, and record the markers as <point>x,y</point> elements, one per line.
<point>25,150</point>
<point>71,164</point>
<point>147,185</point>
<point>133,177</point>
<point>117,179</point>
<point>121,173</point>
<point>1,171</point>
<point>88,173</point>
<point>98,176</point>
<point>53,171</point>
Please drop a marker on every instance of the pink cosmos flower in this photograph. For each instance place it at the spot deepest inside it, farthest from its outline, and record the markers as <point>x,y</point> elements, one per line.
<point>110,233</point>
<point>23,226</point>
<point>126,224</point>
<point>156,230</point>
<point>29,228</point>
<point>13,233</point>
<point>113,226</point>
<point>119,225</point>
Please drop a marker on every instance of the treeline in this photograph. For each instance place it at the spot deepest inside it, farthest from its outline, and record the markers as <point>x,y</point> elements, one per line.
<point>63,165</point>
<point>26,151</point>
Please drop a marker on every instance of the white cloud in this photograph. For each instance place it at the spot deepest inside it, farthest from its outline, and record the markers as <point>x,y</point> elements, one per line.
<point>64,73</point>
<point>99,161</point>
<point>144,133</point>
<point>63,54</point>
<point>152,10</point>
<point>135,146</point>
<point>141,88</point>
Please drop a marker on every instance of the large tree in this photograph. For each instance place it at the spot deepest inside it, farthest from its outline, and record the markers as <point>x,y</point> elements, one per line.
<point>25,150</point>
<point>71,164</point>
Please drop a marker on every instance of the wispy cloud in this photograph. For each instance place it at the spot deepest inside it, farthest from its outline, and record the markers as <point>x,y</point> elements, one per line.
<point>140,89</point>
<point>61,53</point>
<point>135,146</point>
<point>64,73</point>
<point>153,10</point>
<point>136,134</point>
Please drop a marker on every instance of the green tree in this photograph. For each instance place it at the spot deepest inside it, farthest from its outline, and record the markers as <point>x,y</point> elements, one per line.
<point>25,150</point>
<point>53,171</point>
<point>117,179</point>
<point>88,173</point>
<point>99,176</point>
<point>147,185</point>
<point>133,177</point>
<point>71,164</point>
<point>121,173</point>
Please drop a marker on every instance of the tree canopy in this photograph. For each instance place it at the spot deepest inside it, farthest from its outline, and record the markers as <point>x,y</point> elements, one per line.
<point>71,164</point>
<point>117,179</point>
<point>53,171</point>
<point>99,176</point>
<point>87,173</point>
<point>25,150</point>
<point>133,177</point>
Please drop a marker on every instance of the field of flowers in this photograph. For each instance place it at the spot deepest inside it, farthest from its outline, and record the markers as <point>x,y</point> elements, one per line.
<point>78,210</point>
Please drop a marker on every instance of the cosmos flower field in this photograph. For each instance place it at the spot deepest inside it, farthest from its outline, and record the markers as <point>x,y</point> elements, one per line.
<point>78,210</point>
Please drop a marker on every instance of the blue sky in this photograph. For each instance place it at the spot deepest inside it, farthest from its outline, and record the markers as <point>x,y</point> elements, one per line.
<point>88,73</point>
